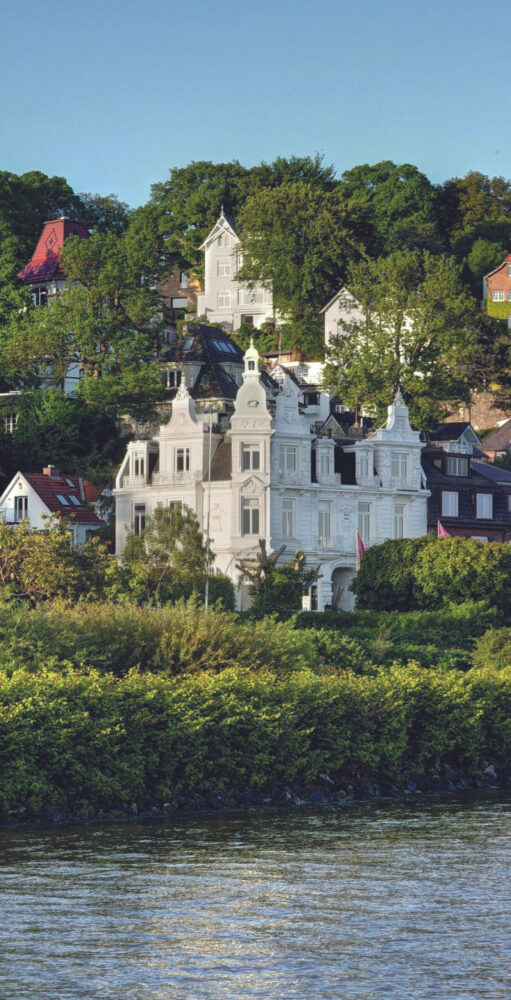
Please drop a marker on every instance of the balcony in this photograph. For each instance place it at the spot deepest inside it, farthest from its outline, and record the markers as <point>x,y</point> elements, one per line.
<point>339,544</point>
<point>332,479</point>
<point>291,477</point>
<point>176,478</point>
<point>132,482</point>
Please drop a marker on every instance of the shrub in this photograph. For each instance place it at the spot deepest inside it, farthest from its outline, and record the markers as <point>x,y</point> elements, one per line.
<point>493,649</point>
<point>385,580</point>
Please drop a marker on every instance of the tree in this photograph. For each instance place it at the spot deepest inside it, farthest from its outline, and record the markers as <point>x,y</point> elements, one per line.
<point>398,205</point>
<point>299,240</point>
<point>276,588</point>
<point>104,213</point>
<point>168,561</point>
<point>416,334</point>
<point>106,321</point>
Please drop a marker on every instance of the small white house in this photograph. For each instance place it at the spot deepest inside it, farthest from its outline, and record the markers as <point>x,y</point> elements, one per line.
<point>35,497</point>
<point>227,300</point>
<point>342,307</point>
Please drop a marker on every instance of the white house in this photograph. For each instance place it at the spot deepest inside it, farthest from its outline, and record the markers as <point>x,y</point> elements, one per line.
<point>272,476</point>
<point>35,497</point>
<point>225,299</point>
<point>342,307</point>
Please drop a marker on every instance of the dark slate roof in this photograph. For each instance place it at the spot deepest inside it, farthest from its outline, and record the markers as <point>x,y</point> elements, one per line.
<point>214,383</point>
<point>47,488</point>
<point>492,472</point>
<point>448,432</point>
<point>201,343</point>
<point>498,440</point>
<point>221,463</point>
<point>45,262</point>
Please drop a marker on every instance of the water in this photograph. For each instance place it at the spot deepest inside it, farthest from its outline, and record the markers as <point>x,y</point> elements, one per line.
<point>391,900</point>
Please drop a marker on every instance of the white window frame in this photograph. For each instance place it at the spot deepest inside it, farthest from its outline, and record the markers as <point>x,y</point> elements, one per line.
<point>288,458</point>
<point>457,465</point>
<point>250,516</point>
<point>497,296</point>
<point>250,457</point>
<point>325,462</point>
<point>139,516</point>
<point>484,506</point>
<point>223,268</point>
<point>223,300</point>
<point>399,520</point>
<point>10,421</point>
<point>450,503</point>
<point>363,465</point>
<point>288,517</point>
<point>365,521</point>
<point>138,465</point>
<point>399,465</point>
<point>20,508</point>
<point>182,460</point>
<point>324,523</point>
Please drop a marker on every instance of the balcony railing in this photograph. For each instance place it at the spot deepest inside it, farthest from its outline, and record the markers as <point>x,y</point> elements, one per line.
<point>176,478</point>
<point>129,482</point>
<point>331,479</point>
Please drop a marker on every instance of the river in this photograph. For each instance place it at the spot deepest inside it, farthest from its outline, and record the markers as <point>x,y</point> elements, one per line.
<point>394,899</point>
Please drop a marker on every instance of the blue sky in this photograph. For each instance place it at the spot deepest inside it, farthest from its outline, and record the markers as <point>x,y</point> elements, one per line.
<point>113,94</point>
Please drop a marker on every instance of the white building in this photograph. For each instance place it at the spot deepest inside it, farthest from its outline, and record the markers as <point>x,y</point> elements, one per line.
<point>342,307</point>
<point>225,299</point>
<point>35,497</point>
<point>273,477</point>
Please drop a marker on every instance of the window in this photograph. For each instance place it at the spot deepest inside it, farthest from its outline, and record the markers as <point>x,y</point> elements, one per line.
<point>10,421</point>
<point>363,465</point>
<point>40,295</point>
<point>172,379</point>
<point>138,467</point>
<point>509,296</point>
<point>457,466</point>
<point>509,270</point>
<point>224,240</point>
<point>223,300</point>
<point>398,467</point>
<point>223,268</point>
<point>175,505</point>
<point>75,501</point>
<point>287,458</point>
<point>226,346</point>
<point>62,499</point>
<point>364,521</point>
<point>324,523</point>
<point>183,280</point>
<point>20,508</point>
<point>139,520</point>
<point>479,538</point>
<point>188,343</point>
<point>182,459</point>
<point>251,366</point>
<point>324,463</point>
<point>70,483</point>
<point>484,505</point>
<point>399,520</point>
<point>497,296</point>
<point>288,518</point>
<point>311,399</point>
<point>250,517</point>
<point>250,457</point>
<point>449,504</point>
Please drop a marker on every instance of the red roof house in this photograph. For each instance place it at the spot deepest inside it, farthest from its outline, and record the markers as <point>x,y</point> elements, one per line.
<point>34,497</point>
<point>45,262</point>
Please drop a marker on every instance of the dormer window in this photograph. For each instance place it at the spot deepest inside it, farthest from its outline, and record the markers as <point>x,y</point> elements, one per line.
<point>456,465</point>
<point>62,499</point>
<point>40,295</point>
<point>74,500</point>
<point>173,379</point>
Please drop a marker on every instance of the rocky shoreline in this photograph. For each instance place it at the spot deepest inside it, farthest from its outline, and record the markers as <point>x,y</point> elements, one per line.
<point>325,792</point>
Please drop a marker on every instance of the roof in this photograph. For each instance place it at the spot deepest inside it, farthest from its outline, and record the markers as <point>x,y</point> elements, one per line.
<point>49,488</point>
<point>492,472</point>
<point>495,269</point>
<point>218,226</point>
<point>45,262</point>
<point>222,462</point>
<point>449,432</point>
<point>498,440</point>
<point>210,348</point>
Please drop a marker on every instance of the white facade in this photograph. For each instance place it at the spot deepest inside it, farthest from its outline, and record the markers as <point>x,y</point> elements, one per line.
<point>225,299</point>
<point>21,502</point>
<point>273,478</point>
<point>343,307</point>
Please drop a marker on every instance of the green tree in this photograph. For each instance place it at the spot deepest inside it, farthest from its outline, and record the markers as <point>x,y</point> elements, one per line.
<point>300,240</point>
<point>398,206</point>
<point>416,333</point>
<point>106,321</point>
<point>104,213</point>
<point>168,561</point>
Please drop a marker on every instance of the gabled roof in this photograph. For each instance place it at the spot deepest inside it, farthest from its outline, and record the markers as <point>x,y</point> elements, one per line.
<point>223,224</point>
<point>498,440</point>
<point>495,269</point>
<point>343,290</point>
<point>492,472</point>
<point>450,431</point>
<point>45,262</point>
<point>49,488</point>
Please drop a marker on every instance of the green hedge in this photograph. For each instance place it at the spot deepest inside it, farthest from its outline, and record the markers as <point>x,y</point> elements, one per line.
<point>81,739</point>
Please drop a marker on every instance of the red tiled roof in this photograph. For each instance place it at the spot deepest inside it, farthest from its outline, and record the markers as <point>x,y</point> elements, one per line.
<point>46,257</point>
<point>499,266</point>
<point>47,488</point>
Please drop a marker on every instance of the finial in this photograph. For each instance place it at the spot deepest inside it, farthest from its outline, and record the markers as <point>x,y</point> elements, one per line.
<point>398,398</point>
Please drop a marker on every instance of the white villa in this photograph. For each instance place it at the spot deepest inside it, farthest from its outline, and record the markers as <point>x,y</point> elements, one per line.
<point>226,300</point>
<point>257,465</point>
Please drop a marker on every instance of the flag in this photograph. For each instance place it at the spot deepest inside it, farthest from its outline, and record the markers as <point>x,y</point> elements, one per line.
<point>441,531</point>
<point>361,547</point>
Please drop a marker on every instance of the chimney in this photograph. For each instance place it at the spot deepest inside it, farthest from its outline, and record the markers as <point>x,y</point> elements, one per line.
<point>51,471</point>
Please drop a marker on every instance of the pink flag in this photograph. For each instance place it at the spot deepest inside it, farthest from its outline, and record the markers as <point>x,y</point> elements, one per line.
<point>442,533</point>
<point>361,547</point>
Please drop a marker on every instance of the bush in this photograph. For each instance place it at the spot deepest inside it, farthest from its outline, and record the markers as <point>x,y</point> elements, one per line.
<point>493,649</point>
<point>428,572</point>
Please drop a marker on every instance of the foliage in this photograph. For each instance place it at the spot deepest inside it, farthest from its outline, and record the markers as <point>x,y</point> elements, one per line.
<point>79,740</point>
<point>298,238</point>
<point>493,649</point>
<point>398,203</point>
<point>430,572</point>
<point>415,334</point>
<point>65,431</point>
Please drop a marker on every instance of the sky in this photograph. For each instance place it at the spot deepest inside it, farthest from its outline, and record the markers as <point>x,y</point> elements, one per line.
<point>113,94</point>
